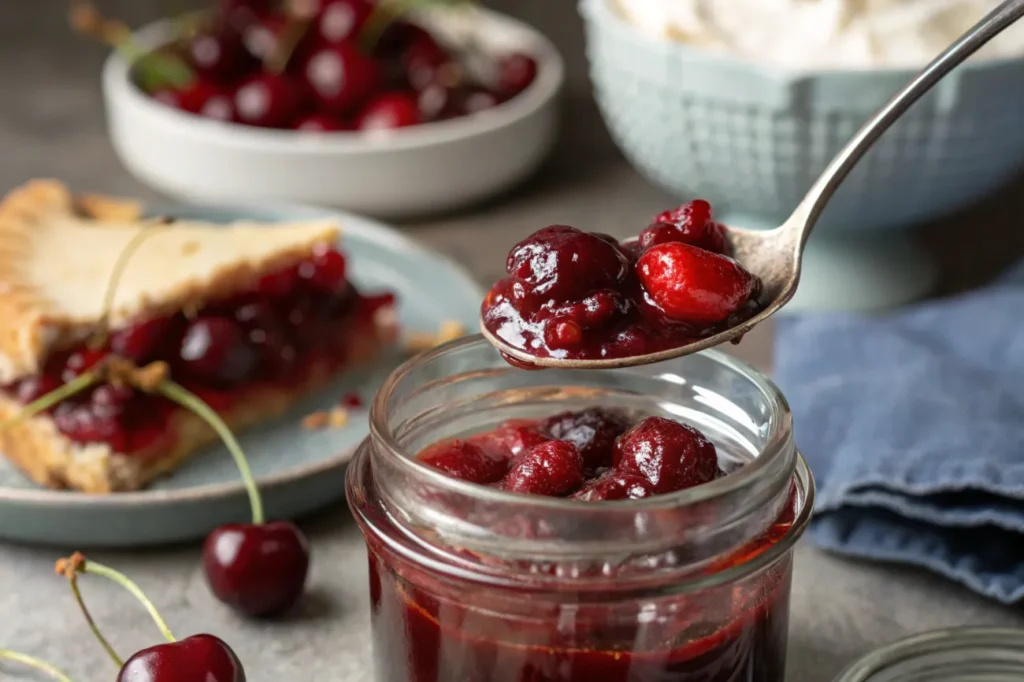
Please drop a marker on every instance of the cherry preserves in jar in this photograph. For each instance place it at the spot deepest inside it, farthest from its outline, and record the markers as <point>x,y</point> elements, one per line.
<point>473,583</point>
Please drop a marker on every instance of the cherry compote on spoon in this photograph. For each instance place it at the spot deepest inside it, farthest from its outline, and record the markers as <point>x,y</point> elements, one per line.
<point>567,303</point>
<point>199,657</point>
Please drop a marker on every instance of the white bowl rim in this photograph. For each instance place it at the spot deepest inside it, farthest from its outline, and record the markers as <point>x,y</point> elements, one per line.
<point>603,9</point>
<point>545,88</point>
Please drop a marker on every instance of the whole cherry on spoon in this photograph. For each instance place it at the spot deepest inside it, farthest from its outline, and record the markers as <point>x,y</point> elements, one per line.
<point>687,284</point>
<point>199,657</point>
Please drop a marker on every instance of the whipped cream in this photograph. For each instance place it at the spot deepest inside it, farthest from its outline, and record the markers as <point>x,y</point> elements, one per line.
<point>816,34</point>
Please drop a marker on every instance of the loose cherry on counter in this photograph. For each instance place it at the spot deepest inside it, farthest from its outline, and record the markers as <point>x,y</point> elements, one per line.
<point>199,657</point>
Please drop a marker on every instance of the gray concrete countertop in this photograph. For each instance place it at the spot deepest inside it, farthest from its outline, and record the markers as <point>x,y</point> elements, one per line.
<point>51,124</point>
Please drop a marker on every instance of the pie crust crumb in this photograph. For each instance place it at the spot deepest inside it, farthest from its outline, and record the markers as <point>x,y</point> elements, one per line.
<point>327,419</point>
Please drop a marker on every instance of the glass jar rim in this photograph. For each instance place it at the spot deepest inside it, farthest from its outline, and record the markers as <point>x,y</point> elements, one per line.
<point>778,440</point>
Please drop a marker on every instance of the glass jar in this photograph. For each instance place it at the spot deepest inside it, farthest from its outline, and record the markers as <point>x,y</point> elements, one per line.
<point>470,583</point>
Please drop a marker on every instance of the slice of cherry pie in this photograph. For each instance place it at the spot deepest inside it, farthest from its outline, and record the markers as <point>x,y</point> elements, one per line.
<point>248,316</point>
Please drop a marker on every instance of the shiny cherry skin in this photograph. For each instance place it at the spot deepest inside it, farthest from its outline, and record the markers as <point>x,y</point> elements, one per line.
<point>200,657</point>
<point>690,223</point>
<point>516,72</point>
<point>669,455</point>
<point>268,100</point>
<point>563,263</point>
<point>593,431</point>
<point>341,77</point>
<point>615,485</point>
<point>511,438</point>
<point>466,461</point>
<point>217,350</point>
<point>341,20</point>
<point>689,284</point>
<point>200,97</point>
<point>257,569</point>
<point>426,62</point>
<point>389,111</point>
<point>220,56</point>
<point>553,468</point>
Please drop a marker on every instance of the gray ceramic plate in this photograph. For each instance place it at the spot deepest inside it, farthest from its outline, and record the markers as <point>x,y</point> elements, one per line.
<point>299,471</point>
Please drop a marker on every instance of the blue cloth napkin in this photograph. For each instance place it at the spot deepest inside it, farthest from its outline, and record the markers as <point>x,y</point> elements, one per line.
<point>913,424</point>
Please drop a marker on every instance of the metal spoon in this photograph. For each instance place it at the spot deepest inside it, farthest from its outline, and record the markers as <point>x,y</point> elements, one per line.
<point>775,255</point>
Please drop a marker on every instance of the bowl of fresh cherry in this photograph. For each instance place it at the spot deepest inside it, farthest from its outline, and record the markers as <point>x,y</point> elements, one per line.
<point>349,103</point>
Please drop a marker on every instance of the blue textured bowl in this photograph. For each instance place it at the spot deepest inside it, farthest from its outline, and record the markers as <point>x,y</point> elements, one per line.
<point>752,140</point>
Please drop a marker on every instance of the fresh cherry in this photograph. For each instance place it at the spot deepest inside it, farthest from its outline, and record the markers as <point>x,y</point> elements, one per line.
<point>319,123</point>
<point>670,455</point>
<point>466,461</point>
<point>475,99</point>
<point>615,485</point>
<point>220,55</point>
<point>326,272</point>
<point>341,20</point>
<point>425,63</point>
<point>690,284</point>
<point>200,657</point>
<point>200,97</point>
<point>551,468</point>
<point>268,100</point>
<point>216,349</point>
<point>341,77</point>
<point>259,570</point>
<point>593,431</point>
<point>516,72</point>
<point>563,263</point>
<point>389,111</point>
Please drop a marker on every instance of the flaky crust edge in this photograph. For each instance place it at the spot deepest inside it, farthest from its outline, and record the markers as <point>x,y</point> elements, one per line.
<point>29,330</point>
<point>52,460</point>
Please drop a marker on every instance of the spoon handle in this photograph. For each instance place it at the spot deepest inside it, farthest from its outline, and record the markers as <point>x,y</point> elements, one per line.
<point>807,213</point>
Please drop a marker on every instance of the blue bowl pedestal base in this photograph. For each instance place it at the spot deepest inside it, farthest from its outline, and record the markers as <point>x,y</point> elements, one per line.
<point>864,271</point>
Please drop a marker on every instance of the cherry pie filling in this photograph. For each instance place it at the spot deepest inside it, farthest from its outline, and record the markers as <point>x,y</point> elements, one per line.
<point>292,324</point>
<point>575,294</point>
<point>734,632</point>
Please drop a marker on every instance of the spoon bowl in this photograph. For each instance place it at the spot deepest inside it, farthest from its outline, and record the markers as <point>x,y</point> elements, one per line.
<point>775,256</point>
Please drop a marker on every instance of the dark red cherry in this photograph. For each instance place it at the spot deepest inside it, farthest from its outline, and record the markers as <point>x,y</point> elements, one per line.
<point>325,272</point>
<point>615,485</point>
<point>438,102</point>
<point>593,431</point>
<point>216,350</point>
<point>268,100</point>
<point>80,362</point>
<point>278,284</point>
<point>511,438</point>
<point>516,72</point>
<point>670,455</point>
<point>690,223</point>
<point>341,77</point>
<point>257,569</point>
<point>199,97</point>
<point>220,55</point>
<point>389,111</point>
<point>563,263</point>
<point>199,657</point>
<point>466,461</point>
<point>32,388</point>
<point>553,468</point>
<point>320,123</point>
<point>689,284</point>
<point>142,341</point>
<point>425,63</point>
<point>341,20</point>
<point>262,38</point>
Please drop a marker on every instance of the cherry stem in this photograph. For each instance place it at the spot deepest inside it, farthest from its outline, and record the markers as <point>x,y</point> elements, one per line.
<point>77,563</point>
<point>195,404</point>
<point>76,385</point>
<point>123,258</point>
<point>32,662</point>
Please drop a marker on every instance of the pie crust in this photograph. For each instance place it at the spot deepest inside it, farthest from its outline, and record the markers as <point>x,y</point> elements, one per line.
<point>57,251</point>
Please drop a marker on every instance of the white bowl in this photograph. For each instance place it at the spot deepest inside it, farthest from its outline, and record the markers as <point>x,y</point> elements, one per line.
<point>418,170</point>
